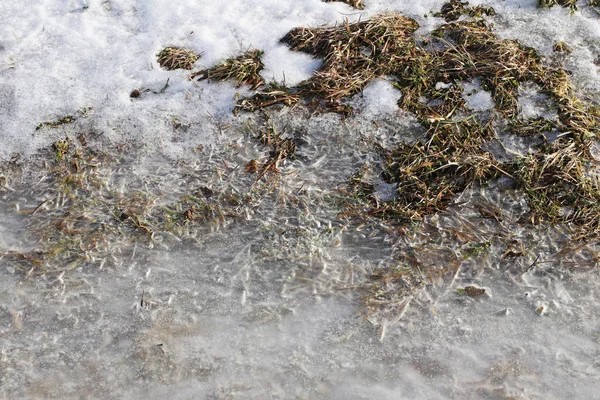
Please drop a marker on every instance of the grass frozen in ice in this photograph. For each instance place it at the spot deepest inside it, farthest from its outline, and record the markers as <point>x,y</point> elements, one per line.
<point>401,226</point>
<point>80,214</point>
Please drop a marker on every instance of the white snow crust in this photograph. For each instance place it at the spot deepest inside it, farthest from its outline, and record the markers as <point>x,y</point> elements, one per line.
<point>60,57</point>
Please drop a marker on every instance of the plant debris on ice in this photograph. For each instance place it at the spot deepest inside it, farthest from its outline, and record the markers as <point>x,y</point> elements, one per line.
<point>81,202</point>
<point>81,214</point>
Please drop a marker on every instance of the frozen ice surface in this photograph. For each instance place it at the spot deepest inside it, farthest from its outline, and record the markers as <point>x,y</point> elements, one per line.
<point>533,104</point>
<point>220,320</point>
<point>476,97</point>
<point>225,317</point>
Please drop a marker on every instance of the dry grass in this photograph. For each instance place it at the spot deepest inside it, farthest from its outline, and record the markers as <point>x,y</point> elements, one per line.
<point>561,47</point>
<point>244,69</point>
<point>68,119</point>
<point>454,9</point>
<point>572,4</point>
<point>390,287</point>
<point>559,180</point>
<point>562,187</point>
<point>171,58</point>
<point>550,178</point>
<point>282,148</point>
<point>430,173</point>
<point>87,204</point>
<point>358,4</point>
<point>502,65</point>
<point>531,127</point>
<point>83,216</point>
<point>80,217</point>
<point>272,94</point>
<point>353,54</point>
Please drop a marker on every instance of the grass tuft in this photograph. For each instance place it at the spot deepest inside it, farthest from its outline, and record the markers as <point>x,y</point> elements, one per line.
<point>358,4</point>
<point>68,119</point>
<point>244,69</point>
<point>562,187</point>
<point>353,54</point>
<point>432,172</point>
<point>272,94</point>
<point>572,4</point>
<point>531,127</point>
<point>281,149</point>
<point>561,47</point>
<point>454,9</point>
<point>171,58</point>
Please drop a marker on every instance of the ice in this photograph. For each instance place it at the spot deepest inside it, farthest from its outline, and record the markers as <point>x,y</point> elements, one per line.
<point>267,307</point>
<point>193,335</point>
<point>476,97</point>
<point>534,104</point>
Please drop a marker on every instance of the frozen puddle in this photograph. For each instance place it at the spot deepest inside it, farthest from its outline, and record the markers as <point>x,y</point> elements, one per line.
<point>272,306</point>
<point>220,323</point>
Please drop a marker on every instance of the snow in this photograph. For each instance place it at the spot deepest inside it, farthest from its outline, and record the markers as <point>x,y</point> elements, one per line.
<point>226,320</point>
<point>59,57</point>
<point>533,104</point>
<point>378,97</point>
<point>477,99</point>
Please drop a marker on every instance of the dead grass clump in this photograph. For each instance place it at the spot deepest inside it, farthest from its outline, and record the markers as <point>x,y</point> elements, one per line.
<point>572,4</point>
<point>171,58</point>
<point>74,168</point>
<point>281,149</point>
<point>358,4</point>
<point>562,187</point>
<point>555,181</point>
<point>577,118</point>
<point>272,94</point>
<point>428,103</point>
<point>360,186</point>
<point>390,287</point>
<point>68,119</point>
<point>202,207</point>
<point>244,69</point>
<point>502,65</point>
<point>431,173</point>
<point>354,54</point>
<point>561,47</point>
<point>454,9</point>
<point>531,127</point>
